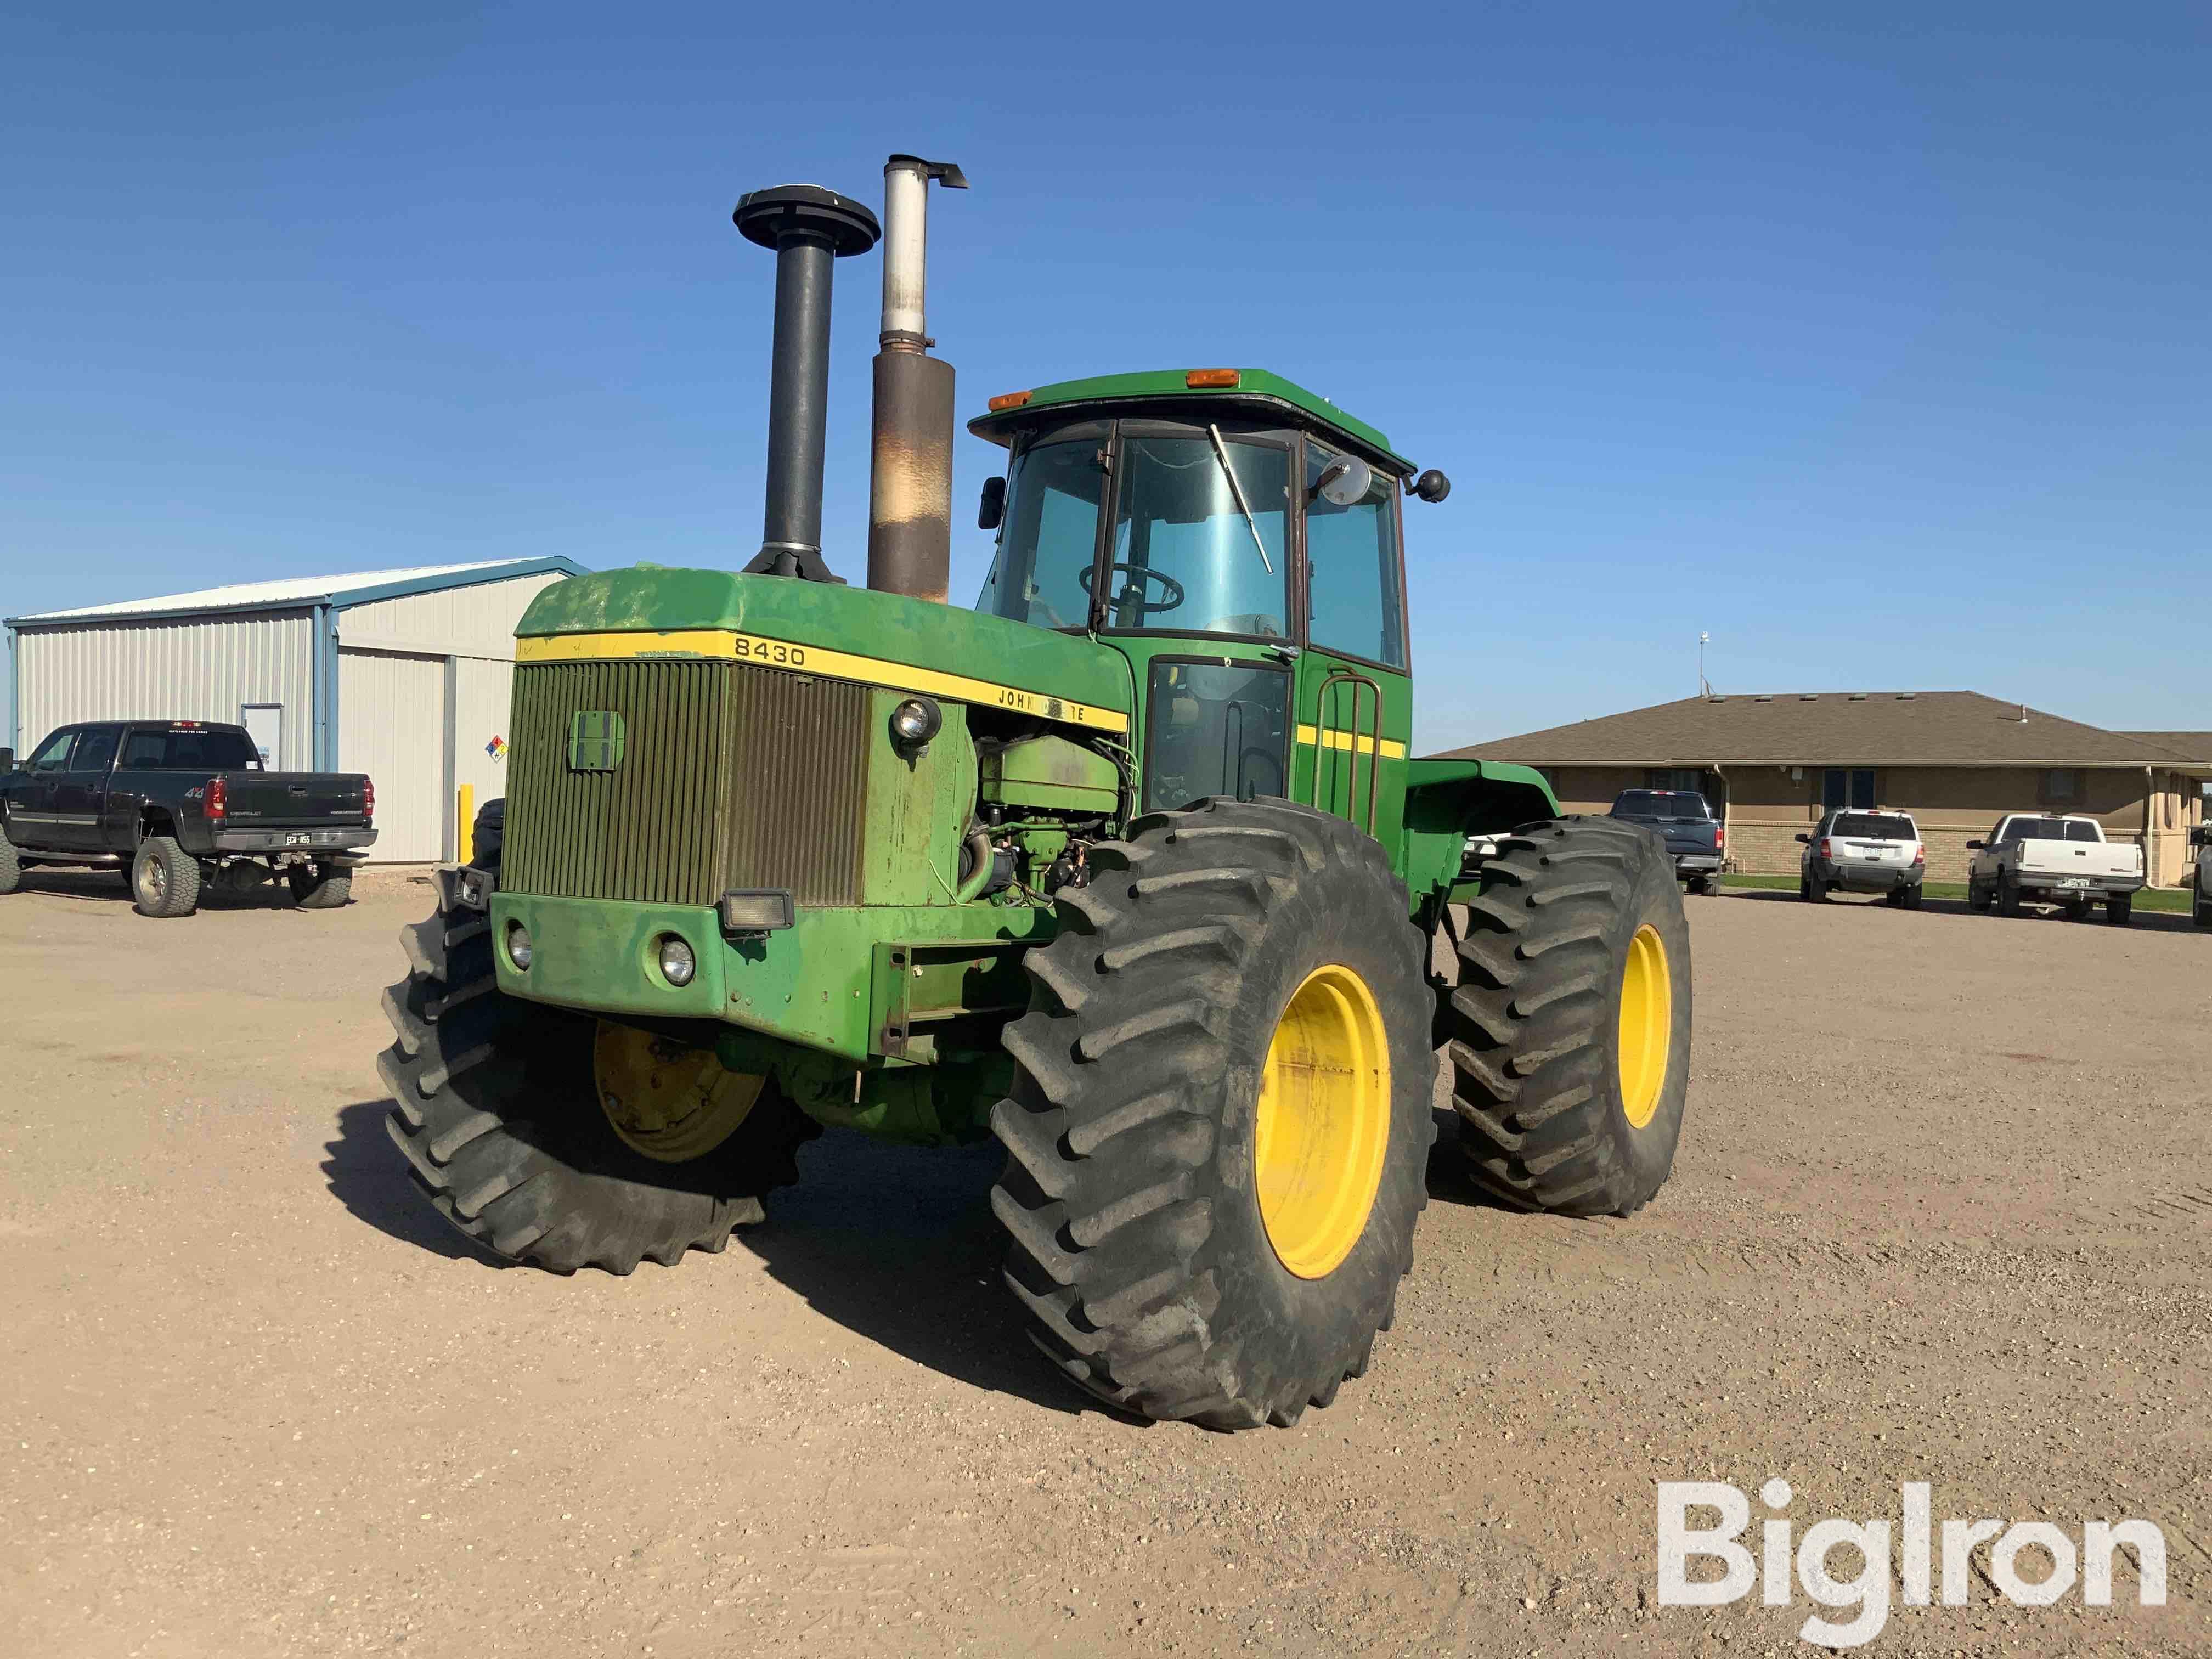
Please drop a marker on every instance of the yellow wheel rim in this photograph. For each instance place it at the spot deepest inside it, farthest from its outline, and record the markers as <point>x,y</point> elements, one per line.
<point>1324,1119</point>
<point>1647,1025</point>
<point>669,1101</point>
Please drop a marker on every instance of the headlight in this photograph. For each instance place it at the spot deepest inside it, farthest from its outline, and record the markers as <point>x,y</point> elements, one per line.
<point>518,946</point>
<point>677,964</point>
<point>916,721</point>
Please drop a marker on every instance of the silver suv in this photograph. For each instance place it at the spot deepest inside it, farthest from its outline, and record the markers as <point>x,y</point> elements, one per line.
<point>1864,852</point>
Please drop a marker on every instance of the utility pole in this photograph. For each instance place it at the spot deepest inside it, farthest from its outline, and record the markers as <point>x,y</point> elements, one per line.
<point>1704,685</point>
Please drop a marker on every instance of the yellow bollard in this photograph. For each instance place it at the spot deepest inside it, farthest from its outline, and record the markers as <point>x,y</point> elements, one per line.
<point>466,841</point>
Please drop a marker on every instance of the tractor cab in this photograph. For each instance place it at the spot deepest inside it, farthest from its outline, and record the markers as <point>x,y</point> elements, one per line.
<point>1236,539</point>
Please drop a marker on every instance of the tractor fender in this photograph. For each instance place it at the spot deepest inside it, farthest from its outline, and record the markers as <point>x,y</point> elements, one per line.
<point>1449,800</point>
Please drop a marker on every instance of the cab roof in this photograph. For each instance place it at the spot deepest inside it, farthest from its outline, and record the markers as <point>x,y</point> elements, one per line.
<point>1255,389</point>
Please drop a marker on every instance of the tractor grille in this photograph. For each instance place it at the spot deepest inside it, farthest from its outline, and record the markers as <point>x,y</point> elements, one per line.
<point>728,776</point>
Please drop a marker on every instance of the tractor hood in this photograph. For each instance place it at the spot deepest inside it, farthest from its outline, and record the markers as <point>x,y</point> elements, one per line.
<point>839,632</point>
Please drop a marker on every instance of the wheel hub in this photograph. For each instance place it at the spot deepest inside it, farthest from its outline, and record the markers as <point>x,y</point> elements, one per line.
<point>669,1101</point>
<point>1647,1025</point>
<point>1323,1121</point>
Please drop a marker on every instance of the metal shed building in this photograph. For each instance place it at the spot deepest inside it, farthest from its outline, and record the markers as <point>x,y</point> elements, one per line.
<point>402,674</point>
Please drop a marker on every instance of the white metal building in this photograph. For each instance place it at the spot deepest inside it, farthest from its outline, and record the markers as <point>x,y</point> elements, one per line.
<point>402,674</point>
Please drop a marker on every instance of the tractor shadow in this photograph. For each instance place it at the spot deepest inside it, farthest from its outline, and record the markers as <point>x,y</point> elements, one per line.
<point>898,1244</point>
<point>367,1175</point>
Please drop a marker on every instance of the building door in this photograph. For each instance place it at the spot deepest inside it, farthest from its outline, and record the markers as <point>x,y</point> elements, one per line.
<point>264,724</point>
<point>392,725</point>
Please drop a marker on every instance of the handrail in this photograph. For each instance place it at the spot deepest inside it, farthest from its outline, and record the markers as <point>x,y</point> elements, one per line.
<point>1321,729</point>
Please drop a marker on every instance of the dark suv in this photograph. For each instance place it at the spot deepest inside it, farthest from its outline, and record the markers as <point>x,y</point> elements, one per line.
<point>1695,838</point>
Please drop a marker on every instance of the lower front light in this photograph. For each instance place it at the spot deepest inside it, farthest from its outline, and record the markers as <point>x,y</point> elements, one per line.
<point>676,962</point>
<point>518,946</point>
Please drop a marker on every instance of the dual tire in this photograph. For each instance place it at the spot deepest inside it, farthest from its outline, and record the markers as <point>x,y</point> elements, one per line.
<point>1567,1034</point>
<point>498,1106</point>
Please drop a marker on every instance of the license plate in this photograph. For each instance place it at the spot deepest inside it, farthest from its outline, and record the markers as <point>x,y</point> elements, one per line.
<point>298,841</point>
<point>2075,881</point>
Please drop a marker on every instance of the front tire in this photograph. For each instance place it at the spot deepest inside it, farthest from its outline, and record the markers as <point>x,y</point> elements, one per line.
<point>165,879</point>
<point>1569,1033</point>
<point>1218,1139</point>
<point>2200,909</point>
<point>496,1108</point>
<point>11,867</point>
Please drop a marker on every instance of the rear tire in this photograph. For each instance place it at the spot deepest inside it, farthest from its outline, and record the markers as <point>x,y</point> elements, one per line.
<point>1805,887</point>
<point>1563,1106</point>
<point>321,886</point>
<point>2200,909</point>
<point>165,879</point>
<point>2119,911</point>
<point>1175,1035</point>
<point>1701,885</point>
<point>2007,897</point>
<point>497,1112</point>
<point>11,867</point>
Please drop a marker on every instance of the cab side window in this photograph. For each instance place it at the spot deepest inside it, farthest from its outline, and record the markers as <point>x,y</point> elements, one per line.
<point>53,756</point>
<point>96,750</point>
<point>1352,595</point>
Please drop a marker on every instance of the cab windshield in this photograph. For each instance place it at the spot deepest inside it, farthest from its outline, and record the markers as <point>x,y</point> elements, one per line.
<point>1197,541</point>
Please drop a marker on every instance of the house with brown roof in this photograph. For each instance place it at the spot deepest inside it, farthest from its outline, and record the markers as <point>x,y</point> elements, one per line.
<point>1771,762</point>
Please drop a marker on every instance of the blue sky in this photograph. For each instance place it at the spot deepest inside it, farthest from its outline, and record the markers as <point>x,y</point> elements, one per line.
<point>1876,345</point>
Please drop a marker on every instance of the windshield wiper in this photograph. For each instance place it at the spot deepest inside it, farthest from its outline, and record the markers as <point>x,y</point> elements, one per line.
<point>1221,454</point>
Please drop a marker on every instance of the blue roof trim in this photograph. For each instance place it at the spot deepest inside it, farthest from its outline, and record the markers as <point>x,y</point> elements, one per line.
<point>338,600</point>
<point>557,563</point>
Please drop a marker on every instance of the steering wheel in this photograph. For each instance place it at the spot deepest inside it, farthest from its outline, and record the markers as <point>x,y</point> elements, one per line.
<point>1142,574</point>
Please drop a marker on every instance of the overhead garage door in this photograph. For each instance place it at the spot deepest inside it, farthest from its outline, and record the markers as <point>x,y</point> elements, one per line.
<point>392,725</point>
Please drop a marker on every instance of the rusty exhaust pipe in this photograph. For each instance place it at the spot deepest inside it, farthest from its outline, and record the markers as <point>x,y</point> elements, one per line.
<point>810,229</point>
<point>910,461</point>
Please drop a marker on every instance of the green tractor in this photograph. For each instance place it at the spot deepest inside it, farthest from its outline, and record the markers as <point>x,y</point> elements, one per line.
<point>1129,867</point>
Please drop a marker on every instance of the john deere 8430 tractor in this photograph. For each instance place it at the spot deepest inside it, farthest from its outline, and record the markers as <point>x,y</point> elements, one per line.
<point>1128,867</point>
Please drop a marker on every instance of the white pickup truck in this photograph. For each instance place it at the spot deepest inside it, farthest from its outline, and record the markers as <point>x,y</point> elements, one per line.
<point>2041,858</point>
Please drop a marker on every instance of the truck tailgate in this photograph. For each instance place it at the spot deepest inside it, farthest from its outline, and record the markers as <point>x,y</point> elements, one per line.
<point>2044,857</point>
<point>284,799</point>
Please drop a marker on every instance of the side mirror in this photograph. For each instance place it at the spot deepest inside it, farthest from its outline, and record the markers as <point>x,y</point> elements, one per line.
<point>7,760</point>
<point>1976,845</point>
<point>1431,487</point>
<point>2200,837</point>
<point>992,512</point>
<point>1807,840</point>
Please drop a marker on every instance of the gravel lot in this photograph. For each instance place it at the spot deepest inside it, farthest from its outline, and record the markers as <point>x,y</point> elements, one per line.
<point>1943,1212</point>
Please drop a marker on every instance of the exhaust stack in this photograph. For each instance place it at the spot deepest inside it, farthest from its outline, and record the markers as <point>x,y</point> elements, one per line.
<point>810,229</point>
<point>910,461</point>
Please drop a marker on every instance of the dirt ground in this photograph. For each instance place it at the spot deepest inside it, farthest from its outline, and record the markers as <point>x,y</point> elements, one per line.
<point>1943,1212</point>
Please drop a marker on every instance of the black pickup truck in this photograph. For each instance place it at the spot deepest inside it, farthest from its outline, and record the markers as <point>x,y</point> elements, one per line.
<point>176,806</point>
<point>1694,835</point>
